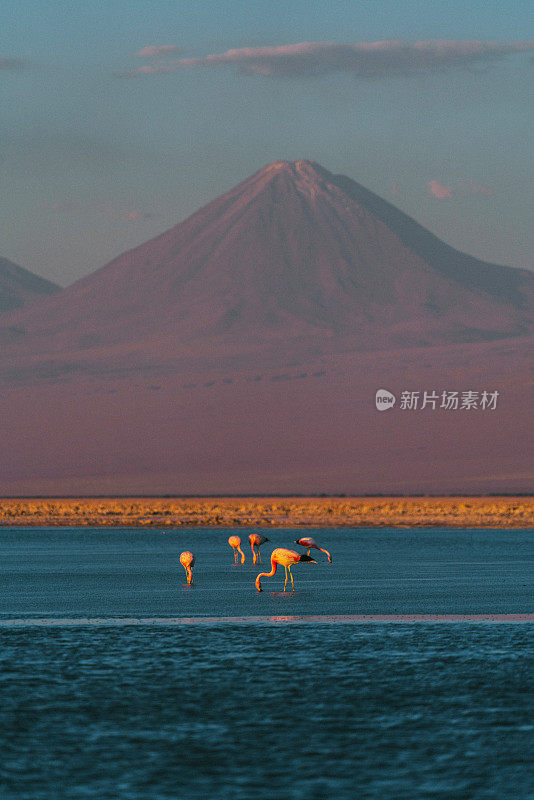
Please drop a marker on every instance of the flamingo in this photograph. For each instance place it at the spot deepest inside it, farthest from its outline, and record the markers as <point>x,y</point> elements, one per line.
<point>256,540</point>
<point>187,560</point>
<point>308,543</point>
<point>235,544</point>
<point>286,558</point>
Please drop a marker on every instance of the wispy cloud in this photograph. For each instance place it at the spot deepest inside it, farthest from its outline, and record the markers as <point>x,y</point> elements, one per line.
<point>395,189</point>
<point>158,51</point>
<point>439,190</point>
<point>148,69</point>
<point>362,59</point>
<point>12,63</point>
<point>473,189</point>
<point>467,188</point>
<point>65,206</point>
<point>136,215</point>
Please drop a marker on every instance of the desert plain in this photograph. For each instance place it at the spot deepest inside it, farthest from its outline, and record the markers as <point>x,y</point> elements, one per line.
<point>263,512</point>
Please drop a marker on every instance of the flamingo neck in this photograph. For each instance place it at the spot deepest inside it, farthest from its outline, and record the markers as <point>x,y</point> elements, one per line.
<point>325,551</point>
<point>242,555</point>
<point>270,574</point>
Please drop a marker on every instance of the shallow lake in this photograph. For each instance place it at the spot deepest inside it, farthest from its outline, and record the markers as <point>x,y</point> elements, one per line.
<point>118,681</point>
<point>135,573</point>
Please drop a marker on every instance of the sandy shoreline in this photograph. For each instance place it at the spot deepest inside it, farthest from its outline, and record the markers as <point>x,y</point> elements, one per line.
<point>274,512</point>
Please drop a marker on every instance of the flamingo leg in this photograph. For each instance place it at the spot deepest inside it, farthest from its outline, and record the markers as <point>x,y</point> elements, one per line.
<point>291,576</point>
<point>285,584</point>
<point>308,551</point>
<point>259,556</point>
<point>235,556</point>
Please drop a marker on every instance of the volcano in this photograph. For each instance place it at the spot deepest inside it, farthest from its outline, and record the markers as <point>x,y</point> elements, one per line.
<point>241,351</point>
<point>20,287</point>
<point>294,261</point>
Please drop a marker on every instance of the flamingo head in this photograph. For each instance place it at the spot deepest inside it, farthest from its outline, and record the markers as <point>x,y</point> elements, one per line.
<point>304,557</point>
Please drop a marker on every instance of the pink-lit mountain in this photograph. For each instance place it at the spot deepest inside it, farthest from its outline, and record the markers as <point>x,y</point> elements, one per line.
<point>240,352</point>
<point>292,261</point>
<point>20,287</point>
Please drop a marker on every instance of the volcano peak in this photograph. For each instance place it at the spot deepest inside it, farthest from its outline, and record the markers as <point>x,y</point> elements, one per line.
<point>293,257</point>
<point>304,176</point>
<point>302,168</point>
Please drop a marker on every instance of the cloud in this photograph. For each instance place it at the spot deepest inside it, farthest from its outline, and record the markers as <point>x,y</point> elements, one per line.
<point>158,51</point>
<point>135,215</point>
<point>467,188</point>
<point>66,205</point>
<point>148,69</point>
<point>362,59</point>
<point>439,190</point>
<point>395,189</point>
<point>472,189</point>
<point>12,63</point>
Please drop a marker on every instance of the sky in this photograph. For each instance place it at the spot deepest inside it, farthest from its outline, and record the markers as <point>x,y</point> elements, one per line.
<point>121,118</point>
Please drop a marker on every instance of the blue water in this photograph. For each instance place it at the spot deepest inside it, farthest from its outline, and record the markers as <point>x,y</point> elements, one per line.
<point>266,709</point>
<point>110,573</point>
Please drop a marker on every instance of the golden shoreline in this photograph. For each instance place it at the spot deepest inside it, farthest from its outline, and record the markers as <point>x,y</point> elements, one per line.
<point>270,512</point>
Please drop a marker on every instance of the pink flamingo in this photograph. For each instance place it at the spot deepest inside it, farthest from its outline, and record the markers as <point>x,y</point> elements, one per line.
<point>285,558</point>
<point>235,544</point>
<point>308,543</point>
<point>256,540</point>
<point>187,560</point>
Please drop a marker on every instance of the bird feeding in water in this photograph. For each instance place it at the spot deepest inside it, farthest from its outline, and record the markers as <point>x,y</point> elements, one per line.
<point>187,560</point>
<point>256,540</point>
<point>235,544</point>
<point>308,543</point>
<point>285,558</point>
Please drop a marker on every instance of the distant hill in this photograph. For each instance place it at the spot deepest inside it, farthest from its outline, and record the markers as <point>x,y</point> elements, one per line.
<point>19,287</point>
<point>240,352</point>
<point>292,260</point>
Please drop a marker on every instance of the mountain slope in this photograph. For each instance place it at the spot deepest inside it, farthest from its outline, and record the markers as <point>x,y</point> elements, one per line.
<point>241,351</point>
<point>310,428</point>
<point>20,287</point>
<point>293,261</point>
